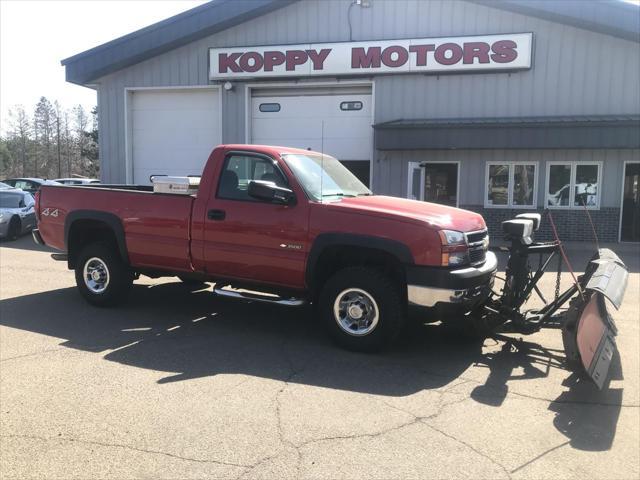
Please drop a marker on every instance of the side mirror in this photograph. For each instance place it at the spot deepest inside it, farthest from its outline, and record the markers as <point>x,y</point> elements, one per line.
<point>270,192</point>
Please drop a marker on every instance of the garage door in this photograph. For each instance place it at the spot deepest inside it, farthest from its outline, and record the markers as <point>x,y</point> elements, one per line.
<point>295,117</point>
<point>173,131</point>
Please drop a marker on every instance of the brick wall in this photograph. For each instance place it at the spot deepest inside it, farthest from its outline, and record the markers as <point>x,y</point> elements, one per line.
<point>572,225</point>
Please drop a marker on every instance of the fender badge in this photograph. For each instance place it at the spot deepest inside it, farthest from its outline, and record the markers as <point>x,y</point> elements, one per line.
<point>291,246</point>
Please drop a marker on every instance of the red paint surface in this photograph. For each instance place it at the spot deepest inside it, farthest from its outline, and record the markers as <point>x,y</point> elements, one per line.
<point>590,332</point>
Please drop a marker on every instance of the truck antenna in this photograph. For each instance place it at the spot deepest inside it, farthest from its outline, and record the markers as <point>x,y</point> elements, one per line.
<point>321,157</point>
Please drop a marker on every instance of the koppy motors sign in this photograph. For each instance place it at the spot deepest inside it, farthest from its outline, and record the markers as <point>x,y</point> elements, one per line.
<point>437,55</point>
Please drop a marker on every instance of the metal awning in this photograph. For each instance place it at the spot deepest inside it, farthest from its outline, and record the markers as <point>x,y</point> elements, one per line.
<point>600,131</point>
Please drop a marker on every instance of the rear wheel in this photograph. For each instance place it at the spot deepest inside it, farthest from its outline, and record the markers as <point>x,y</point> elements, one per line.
<point>101,276</point>
<point>14,228</point>
<point>362,308</point>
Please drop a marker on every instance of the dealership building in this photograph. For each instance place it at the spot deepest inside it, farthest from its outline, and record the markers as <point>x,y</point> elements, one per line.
<point>496,106</point>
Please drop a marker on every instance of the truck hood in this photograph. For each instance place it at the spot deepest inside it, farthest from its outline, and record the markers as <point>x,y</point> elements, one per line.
<point>435,215</point>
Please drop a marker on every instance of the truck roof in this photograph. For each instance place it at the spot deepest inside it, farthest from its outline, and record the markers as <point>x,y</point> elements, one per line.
<point>267,149</point>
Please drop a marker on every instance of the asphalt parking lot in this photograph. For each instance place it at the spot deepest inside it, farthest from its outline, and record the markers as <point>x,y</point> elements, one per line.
<point>180,384</point>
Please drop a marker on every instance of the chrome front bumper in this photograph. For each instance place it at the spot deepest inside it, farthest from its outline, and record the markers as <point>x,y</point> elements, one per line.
<point>430,296</point>
<point>460,289</point>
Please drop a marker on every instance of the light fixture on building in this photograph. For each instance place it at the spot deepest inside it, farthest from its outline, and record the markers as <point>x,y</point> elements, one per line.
<point>228,86</point>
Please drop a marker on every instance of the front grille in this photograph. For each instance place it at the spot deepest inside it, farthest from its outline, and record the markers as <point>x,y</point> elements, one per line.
<point>477,247</point>
<point>475,237</point>
<point>477,256</point>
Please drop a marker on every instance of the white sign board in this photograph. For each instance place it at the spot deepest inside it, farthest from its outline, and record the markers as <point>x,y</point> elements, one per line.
<point>511,51</point>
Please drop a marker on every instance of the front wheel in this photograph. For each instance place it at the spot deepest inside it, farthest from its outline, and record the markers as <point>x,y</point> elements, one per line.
<point>362,308</point>
<point>14,228</point>
<point>102,277</point>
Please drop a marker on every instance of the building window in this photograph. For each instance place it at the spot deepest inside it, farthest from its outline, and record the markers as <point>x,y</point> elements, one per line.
<point>345,106</point>
<point>573,184</point>
<point>511,185</point>
<point>269,107</point>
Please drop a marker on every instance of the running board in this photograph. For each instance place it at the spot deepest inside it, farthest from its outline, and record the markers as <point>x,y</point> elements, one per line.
<point>253,296</point>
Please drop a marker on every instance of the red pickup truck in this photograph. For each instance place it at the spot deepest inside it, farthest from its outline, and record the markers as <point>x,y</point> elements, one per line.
<point>282,225</point>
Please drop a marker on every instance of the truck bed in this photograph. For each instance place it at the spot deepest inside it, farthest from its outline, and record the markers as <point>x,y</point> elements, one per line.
<point>157,227</point>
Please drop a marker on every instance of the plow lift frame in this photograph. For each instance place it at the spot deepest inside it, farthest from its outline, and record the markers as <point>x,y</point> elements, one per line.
<point>588,330</point>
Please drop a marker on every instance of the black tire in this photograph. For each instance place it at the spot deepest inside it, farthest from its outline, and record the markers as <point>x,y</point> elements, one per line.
<point>120,277</point>
<point>15,226</point>
<point>387,297</point>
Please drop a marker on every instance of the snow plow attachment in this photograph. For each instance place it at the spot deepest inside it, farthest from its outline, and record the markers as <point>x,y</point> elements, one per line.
<point>589,331</point>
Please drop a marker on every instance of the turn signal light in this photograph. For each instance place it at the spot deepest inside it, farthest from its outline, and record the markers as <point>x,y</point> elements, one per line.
<point>454,248</point>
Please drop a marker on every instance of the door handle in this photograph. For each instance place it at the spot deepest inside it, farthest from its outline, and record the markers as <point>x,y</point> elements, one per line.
<point>216,214</point>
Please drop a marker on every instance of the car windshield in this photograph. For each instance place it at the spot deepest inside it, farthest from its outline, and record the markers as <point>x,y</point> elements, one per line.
<point>10,200</point>
<point>324,177</point>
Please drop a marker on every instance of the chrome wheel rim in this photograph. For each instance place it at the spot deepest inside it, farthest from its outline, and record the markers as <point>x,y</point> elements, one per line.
<point>96,275</point>
<point>356,312</point>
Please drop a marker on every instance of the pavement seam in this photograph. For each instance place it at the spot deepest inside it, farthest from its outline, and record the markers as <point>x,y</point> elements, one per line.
<point>538,457</point>
<point>126,447</point>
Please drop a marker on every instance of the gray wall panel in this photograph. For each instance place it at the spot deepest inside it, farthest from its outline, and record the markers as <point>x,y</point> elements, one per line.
<point>575,72</point>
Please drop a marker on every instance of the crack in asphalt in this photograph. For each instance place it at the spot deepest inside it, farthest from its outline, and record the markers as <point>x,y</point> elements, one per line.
<point>538,457</point>
<point>532,397</point>
<point>126,447</point>
<point>35,354</point>
<point>293,372</point>
<point>441,407</point>
<point>470,447</point>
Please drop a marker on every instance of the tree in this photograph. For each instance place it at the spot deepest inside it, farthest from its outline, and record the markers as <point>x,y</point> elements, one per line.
<point>6,160</point>
<point>43,124</point>
<point>55,141</point>
<point>20,133</point>
<point>58,119</point>
<point>91,151</point>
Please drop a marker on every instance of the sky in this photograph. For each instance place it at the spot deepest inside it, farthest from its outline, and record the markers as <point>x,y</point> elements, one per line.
<point>36,35</point>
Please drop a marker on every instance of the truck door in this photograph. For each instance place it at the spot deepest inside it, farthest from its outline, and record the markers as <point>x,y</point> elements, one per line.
<point>253,240</point>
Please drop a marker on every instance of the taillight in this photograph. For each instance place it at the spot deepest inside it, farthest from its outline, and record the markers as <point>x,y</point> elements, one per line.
<point>454,248</point>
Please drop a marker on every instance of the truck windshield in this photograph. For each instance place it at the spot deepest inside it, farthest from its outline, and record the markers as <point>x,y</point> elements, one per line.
<point>324,177</point>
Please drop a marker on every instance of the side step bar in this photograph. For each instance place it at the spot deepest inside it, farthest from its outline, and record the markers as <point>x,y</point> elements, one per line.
<point>229,292</point>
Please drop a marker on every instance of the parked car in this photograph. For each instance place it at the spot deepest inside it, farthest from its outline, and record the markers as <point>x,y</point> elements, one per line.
<point>31,185</point>
<point>294,225</point>
<point>76,181</point>
<point>17,213</point>
<point>4,186</point>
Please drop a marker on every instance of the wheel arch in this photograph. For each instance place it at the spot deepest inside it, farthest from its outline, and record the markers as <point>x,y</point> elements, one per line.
<point>82,226</point>
<point>332,251</point>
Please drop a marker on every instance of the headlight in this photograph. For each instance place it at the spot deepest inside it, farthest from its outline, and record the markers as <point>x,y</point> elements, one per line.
<point>451,237</point>
<point>454,248</point>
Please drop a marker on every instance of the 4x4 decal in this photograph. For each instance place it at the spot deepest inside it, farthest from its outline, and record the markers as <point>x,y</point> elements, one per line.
<point>50,212</point>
